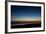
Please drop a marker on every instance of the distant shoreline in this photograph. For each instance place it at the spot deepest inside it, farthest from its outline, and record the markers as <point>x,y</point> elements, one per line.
<point>22,22</point>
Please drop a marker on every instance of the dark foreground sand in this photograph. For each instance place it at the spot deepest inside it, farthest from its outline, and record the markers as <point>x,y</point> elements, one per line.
<point>25,24</point>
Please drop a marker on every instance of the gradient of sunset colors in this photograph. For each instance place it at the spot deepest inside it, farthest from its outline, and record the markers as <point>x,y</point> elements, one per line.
<point>25,13</point>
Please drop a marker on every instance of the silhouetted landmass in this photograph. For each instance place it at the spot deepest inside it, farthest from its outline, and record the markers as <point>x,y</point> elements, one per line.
<point>25,24</point>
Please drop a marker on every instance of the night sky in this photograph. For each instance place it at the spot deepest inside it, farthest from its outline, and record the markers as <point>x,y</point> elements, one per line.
<point>25,12</point>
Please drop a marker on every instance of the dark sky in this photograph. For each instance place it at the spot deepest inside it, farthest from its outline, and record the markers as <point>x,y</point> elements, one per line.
<point>25,11</point>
